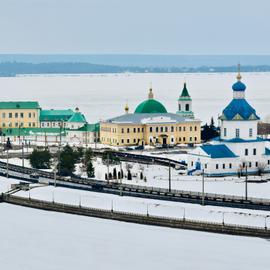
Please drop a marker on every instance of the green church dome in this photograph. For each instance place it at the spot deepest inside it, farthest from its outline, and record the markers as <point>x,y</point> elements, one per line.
<point>150,105</point>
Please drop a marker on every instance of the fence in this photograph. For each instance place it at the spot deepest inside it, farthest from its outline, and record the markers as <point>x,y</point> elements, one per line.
<point>146,219</point>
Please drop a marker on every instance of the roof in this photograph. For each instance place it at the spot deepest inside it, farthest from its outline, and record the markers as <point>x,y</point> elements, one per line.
<point>90,127</point>
<point>218,151</point>
<point>239,109</point>
<point>239,86</point>
<point>19,105</point>
<point>77,117</point>
<point>238,140</point>
<point>55,115</point>
<point>150,106</point>
<point>267,151</point>
<point>184,93</point>
<point>149,118</point>
<point>31,131</point>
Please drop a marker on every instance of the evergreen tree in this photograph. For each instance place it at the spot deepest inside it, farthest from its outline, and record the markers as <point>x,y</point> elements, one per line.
<point>40,159</point>
<point>68,158</point>
<point>90,169</point>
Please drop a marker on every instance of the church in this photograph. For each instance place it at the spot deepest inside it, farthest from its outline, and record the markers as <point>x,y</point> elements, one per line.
<point>151,124</point>
<point>238,149</point>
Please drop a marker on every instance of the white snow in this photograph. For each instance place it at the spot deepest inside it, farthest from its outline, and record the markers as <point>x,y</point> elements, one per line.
<point>33,239</point>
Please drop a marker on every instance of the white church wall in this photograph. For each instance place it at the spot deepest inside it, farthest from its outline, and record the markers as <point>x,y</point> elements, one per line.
<point>244,129</point>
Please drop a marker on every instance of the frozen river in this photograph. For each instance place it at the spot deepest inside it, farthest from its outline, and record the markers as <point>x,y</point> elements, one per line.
<point>102,96</point>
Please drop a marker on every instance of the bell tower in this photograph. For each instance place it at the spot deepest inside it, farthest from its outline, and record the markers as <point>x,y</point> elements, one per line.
<point>185,104</point>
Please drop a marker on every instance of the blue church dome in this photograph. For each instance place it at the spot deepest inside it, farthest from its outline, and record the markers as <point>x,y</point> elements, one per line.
<point>239,86</point>
<point>239,109</point>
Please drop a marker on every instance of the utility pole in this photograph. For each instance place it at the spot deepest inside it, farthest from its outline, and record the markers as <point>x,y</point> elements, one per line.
<point>108,168</point>
<point>203,187</point>
<point>23,154</point>
<point>7,164</point>
<point>59,147</point>
<point>170,184</point>
<point>246,187</point>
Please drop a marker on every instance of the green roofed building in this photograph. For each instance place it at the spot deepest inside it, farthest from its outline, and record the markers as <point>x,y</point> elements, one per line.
<point>15,114</point>
<point>185,104</point>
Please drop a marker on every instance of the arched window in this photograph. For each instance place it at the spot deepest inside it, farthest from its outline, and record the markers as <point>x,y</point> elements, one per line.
<point>179,106</point>
<point>187,107</point>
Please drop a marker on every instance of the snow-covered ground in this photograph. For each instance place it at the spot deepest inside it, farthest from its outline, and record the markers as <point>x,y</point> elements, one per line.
<point>142,206</point>
<point>33,239</point>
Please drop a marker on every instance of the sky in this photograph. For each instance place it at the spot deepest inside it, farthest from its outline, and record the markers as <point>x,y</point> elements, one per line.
<point>135,27</point>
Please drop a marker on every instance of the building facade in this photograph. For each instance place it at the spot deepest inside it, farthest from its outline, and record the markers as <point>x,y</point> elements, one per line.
<point>20,114</point>
<point>238,148</point>
<point>150,124</point>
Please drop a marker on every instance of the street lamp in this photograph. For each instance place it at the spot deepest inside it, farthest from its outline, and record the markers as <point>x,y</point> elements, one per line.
<point>203,187</point>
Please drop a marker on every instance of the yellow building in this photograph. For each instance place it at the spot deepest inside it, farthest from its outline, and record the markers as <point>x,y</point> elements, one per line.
<point>23,114</point>
<point>151,124</point>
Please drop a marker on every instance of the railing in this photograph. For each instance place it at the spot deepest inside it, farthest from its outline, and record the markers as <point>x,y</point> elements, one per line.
<point>148,219</point>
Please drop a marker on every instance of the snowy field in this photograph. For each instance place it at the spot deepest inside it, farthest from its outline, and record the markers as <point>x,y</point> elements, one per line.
<point>102,96</point>
<point>33,239</point>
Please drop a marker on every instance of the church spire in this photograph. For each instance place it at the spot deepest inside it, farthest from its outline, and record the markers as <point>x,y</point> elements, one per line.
<point>150,94</point>
<point>239,77</point>
<point>185,91</point>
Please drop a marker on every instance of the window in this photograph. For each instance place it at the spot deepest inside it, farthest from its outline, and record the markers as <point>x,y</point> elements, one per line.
<point>16,115</point>
<point>10,115</point>
<point>150,129</point>
<point>53,124</point>
<point>216,166</point>
<point>190,128</point>
<point>179,139</point>
<point>172,129</point>
<point>142,129</point>
<point>195,128</point>
<point>246,152</point>
<point>187,107</point>
<point>127,140</point>
<point>42,124</point>
<point>172,140</point>
<point>29,115</point>
<point>21,114</point>
<point>4,124</point>
<point>48,124</point>
<point>134,130</point>
<point>237,133</point>
<point>156,129</point>
<point>250,164</point>
<point>225,132</point>
<point>134,140</point>
<point>16,124</point>
<point>230,165</point>
<point>205,166</point>
<point>180,128</point>
<point>161,129</point>
<point>268,162</point>
<point>192,163</point>
<point>139,130</point>
<point>254,152</point>
<point>190,139</point>
<point>122,140</point>
<point>34,124</point>
<point>3,115</point>
<point>256,164</point>
<point>151,140</point>
<point>184,128</point>
<point>34,115</point>
<point>244,164</point>
<point>127,130</point>
<point>166,129</point>
<point>184,139</point>
<point>195,139</point>
<point>29,124</point>
<point>223,166</point>
<point>250,132</point>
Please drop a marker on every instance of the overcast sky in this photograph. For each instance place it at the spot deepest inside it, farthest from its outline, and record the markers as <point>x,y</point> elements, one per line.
<point>135,26</point>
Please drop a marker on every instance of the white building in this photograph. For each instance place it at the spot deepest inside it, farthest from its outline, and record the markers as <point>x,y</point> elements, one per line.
<point>238,148</point>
